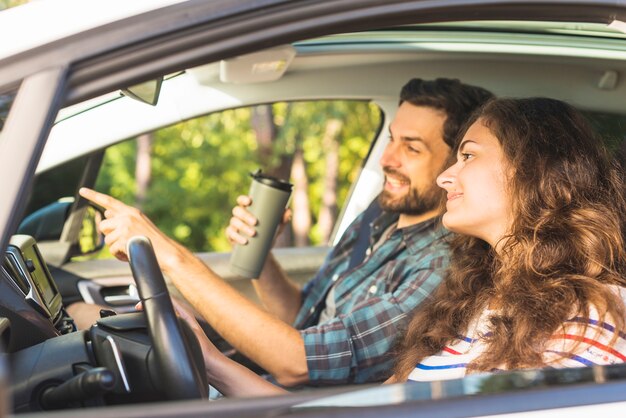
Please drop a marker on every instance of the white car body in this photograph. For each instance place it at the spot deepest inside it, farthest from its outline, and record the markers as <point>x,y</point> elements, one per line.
<point>68,58</point>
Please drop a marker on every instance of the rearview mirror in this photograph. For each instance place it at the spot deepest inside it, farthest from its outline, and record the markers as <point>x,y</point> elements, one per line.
<point>147,92</point>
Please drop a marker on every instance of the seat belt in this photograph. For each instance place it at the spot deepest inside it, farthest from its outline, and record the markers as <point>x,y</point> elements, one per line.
<point>362,243</point>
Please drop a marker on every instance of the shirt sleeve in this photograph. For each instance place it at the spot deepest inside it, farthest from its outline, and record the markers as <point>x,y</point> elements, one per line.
<point>354,347</point>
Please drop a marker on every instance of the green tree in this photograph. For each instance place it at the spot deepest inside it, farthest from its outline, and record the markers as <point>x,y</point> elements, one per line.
<point>5,4</point>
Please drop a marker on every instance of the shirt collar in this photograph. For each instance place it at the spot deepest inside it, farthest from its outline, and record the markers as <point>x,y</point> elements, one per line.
<point>416,236</point>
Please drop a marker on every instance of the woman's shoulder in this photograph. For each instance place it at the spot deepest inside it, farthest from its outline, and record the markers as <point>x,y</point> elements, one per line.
<point>619,291</point>
<point>588,340</point>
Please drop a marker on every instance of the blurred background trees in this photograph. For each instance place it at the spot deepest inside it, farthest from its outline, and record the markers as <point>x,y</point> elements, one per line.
<point>186,177</point>
<point>5,4</point>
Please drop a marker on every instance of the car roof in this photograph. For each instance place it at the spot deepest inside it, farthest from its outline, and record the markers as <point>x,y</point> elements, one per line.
<point>42,22</point>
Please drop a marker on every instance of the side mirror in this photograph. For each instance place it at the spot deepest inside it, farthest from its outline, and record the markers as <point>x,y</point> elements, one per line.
<point>47,225</point>
<point>90,239</point>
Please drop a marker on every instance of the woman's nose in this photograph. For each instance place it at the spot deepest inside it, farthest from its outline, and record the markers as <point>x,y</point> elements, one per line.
<point>446,179</point>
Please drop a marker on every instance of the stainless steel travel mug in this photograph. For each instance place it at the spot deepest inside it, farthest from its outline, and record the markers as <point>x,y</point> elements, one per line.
<point>269,200</point>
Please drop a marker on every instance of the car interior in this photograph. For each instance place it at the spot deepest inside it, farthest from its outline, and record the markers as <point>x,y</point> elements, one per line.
<point>46,268</point>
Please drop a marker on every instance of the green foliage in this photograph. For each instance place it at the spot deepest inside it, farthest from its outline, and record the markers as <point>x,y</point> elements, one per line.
<point>5,4</point>
<point>200,166</point>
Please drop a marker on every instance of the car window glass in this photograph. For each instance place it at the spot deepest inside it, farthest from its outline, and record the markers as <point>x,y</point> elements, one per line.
<point>186,177</point>
<point>6,100</point>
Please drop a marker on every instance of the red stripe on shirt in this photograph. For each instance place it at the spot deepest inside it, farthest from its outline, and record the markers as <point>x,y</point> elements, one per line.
<point>593,343</point>
<point>451,351</point>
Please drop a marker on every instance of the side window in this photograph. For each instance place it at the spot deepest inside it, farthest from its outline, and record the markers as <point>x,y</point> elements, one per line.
<point>186,177</point>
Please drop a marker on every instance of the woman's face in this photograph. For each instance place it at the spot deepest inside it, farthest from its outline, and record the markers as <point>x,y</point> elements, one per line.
<point>478,202</point>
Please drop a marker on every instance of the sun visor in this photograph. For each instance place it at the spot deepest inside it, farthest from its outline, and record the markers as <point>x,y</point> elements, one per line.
<point>267,65</point>
<point>618,25</point>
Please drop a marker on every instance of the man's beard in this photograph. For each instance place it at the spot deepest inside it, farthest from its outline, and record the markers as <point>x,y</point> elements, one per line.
<point>413,202</point>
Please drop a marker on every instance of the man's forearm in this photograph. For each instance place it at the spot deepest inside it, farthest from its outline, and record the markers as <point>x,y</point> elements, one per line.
<point>259,335</point>
<point>280,295</point>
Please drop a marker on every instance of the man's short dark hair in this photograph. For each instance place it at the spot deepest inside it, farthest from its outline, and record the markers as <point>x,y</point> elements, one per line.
<point>456,99</point>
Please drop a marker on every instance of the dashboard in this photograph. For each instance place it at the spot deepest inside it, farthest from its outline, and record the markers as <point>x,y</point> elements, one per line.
<point>118,359</point>
<point>28,271</point>
<point>34,298</point>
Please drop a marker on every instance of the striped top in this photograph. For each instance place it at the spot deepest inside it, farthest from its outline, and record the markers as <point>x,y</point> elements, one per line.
<point>594,347</point>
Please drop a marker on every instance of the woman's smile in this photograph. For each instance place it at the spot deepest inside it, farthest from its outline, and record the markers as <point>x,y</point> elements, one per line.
<point>454,195</point>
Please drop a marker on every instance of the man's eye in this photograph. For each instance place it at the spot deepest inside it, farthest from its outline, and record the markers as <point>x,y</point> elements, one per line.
<point>412,148</point>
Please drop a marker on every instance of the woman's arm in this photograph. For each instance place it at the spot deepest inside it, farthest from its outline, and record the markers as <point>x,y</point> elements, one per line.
<point>234,380</point>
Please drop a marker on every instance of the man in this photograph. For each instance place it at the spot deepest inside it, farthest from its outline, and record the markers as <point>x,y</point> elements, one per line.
<point>346,319</point>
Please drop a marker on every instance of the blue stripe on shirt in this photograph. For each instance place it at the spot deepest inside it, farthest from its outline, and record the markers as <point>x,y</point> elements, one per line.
<point>596,323</point>
<point>574,357</point>
<point>446,366</point>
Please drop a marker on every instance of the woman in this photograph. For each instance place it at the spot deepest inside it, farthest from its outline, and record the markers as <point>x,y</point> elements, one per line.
<point>538,266</point>
<point>537,271</point>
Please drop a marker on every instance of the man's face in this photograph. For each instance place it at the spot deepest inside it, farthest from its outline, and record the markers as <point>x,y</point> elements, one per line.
<point>415,155</point>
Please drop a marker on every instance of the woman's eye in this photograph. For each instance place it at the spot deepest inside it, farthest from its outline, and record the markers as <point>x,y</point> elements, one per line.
<point>466,156</point>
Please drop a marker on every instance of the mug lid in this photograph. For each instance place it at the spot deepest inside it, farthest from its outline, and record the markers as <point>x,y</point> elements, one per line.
<point>271,181</point>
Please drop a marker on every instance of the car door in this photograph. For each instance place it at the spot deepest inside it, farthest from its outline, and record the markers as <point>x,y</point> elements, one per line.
<point>42,91</point>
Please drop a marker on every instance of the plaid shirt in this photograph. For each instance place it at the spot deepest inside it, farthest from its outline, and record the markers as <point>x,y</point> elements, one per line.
<point>372,300</point>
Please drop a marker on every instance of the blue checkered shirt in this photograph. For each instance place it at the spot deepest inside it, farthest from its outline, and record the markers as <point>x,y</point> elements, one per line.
<point>373,300</point>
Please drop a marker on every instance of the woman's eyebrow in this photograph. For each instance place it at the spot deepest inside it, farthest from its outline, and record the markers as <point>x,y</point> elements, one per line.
<point>462,146</point>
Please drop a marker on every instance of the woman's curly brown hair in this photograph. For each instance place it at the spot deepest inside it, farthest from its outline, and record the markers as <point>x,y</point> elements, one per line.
<point>564,247</point>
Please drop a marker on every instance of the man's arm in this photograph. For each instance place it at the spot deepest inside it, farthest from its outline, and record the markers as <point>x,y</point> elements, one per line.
<point>259,335</point>
<point>279,294</point>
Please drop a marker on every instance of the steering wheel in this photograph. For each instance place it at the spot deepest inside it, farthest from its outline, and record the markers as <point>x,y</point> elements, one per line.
<point>172,354</point>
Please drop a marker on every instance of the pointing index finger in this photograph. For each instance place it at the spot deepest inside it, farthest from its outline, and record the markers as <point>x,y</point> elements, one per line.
<point>106,201</point>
